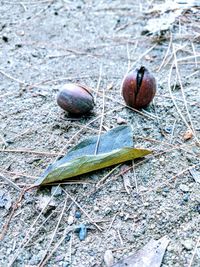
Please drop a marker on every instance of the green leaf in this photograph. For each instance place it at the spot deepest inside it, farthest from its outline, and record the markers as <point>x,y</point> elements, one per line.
<point>114,147</point>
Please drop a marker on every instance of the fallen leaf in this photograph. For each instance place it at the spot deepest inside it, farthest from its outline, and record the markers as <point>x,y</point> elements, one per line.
<point>150,255</point>
<point>114,147</point>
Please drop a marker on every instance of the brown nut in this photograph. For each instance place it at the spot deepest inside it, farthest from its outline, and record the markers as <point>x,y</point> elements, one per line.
<point>139,88</point>
<point>75,98</point>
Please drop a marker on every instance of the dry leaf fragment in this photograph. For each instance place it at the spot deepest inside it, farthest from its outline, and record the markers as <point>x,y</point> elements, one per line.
<point>187,135</point>
<point>150,255</point>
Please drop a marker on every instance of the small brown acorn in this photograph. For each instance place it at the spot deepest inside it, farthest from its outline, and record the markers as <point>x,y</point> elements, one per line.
<point>75,98</point>
<point>139,88</point>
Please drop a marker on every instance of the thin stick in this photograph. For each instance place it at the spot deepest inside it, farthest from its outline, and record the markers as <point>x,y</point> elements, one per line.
<point>101,123</point>
<point>30,152</point>
<point>98,83</point>
<point>135,178</point>
<point>10,182</point>
<point>20,248</point>
<point>167,53</point>
<point>171,179</point>
<point>194,252</point>
<point>172,134</point>
<point>177,108</point>
<point>189,57</point>
<point>86,214</point>
<point>15,206</point>
<point>55,247</point>
<point>106,176</point>
<point>194,52</point>
<point>144,54</point>
<point>12,78</point>
<point>183,94</point>
<point>70,249</point>
<point>18,174</point>
<point>54,233</point>
<point>16,136</point>
<point>113,219</point>
<point>3,140</point>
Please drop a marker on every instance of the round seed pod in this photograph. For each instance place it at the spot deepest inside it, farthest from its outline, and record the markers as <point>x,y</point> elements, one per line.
<point>139,88</point>
<point>75,99</point>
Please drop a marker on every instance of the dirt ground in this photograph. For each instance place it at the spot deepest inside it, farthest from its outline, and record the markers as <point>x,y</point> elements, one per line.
<point>45,44</point>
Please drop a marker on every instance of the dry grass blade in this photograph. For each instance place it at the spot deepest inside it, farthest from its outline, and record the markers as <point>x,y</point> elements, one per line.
<point>98,83</point>
<point>12,78</point>
<point>21,246</point>
<point>102,117</point>
<point>106,176</point>
<point>55,247</point>
<point>194,52</point>
<point>194,252</point>
<point>30,152</point>
<point>79,206</point>
<point>167,53</point>
<point>183,94</point>
<point>54,233</point>
<point>10,182</point>
<point>175,104</point>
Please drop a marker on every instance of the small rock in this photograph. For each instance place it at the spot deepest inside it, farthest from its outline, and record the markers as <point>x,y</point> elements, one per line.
<point>70,220</point>
<point>96,208</point>
<point>5,200</point>
<point>187,244</point>
<point>108,258</point>
<point>184,188</point>
<point>186,197</point>
<point>56,191</point>
<point>45,202</point>
<point>121,121</point>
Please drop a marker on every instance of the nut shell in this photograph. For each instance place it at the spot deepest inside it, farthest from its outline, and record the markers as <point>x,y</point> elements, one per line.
<point>75,98</point>
<point>139,88</point>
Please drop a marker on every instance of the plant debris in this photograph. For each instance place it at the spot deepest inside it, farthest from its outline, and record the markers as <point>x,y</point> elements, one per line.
<point>113,147</point>
<point>150,255</point>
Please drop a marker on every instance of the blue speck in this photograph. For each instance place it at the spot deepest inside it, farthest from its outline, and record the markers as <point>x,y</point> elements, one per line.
<point>77,214</point>
<point>186,197</point>
<point>82,232</point>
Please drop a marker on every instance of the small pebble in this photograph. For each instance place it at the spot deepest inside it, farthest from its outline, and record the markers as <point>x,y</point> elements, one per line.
<point>70,220</point>
<point>186,197</point>
<point>121,121</point>
<point>187,244</point>
<point>184,188</point>
<point>96,208</point>
<point>108,258</point>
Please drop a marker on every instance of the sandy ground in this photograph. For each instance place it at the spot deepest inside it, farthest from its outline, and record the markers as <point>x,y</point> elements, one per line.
<point>45,44</point>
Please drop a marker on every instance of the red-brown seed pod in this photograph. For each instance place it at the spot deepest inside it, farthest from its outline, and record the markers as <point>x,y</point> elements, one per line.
<point>75,98</point>
<point>139,88</point>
